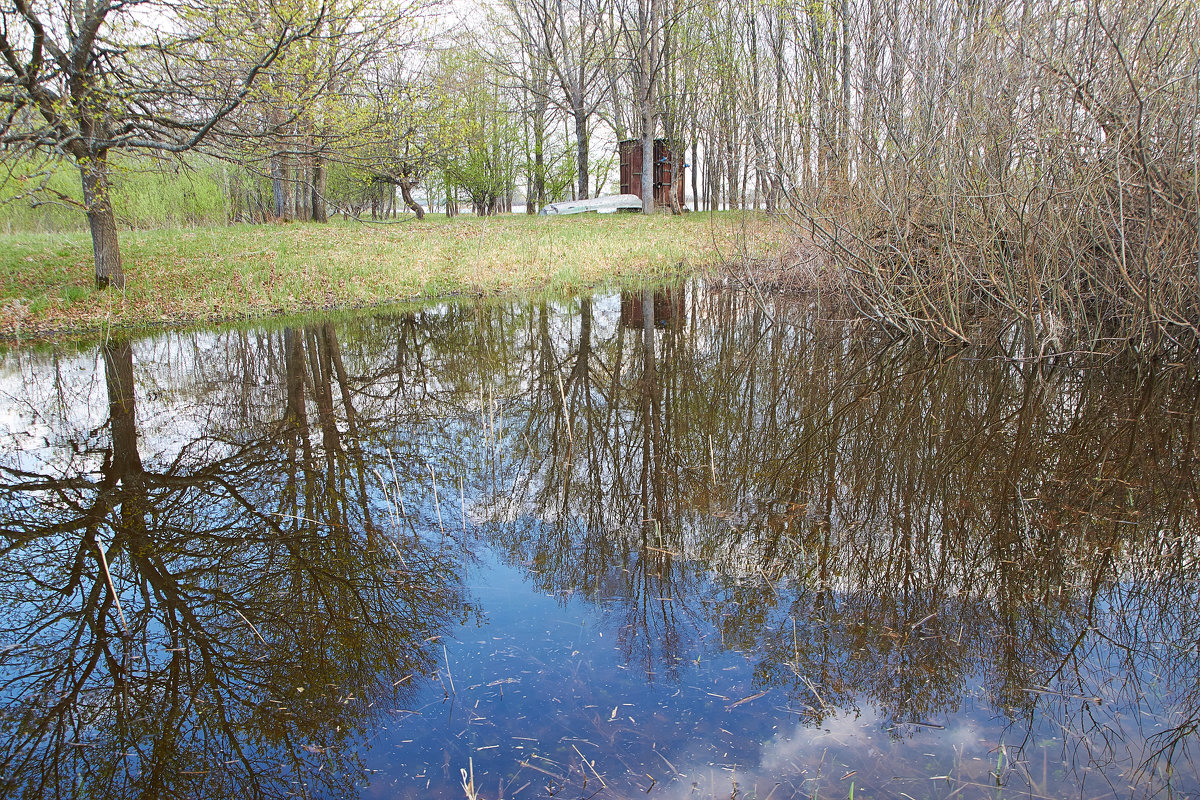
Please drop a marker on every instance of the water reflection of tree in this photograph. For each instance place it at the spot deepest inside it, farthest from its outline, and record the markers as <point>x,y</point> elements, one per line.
<point>875,523</point>
<point>261,618</point>
<point>591,476</point>
<point>887,523</point>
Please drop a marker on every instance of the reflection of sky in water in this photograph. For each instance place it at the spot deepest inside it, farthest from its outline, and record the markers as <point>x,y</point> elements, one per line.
<point>545,702</point>
<point>546,683</point>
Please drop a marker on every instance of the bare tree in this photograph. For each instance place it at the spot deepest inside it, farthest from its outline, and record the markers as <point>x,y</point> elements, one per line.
<point>570,40</point>
<point>309,109</point>
<point>649,49</point>
<point>411,131</point>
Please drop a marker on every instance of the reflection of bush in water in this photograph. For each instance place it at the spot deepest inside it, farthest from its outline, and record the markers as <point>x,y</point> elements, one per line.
<point>713,471</point>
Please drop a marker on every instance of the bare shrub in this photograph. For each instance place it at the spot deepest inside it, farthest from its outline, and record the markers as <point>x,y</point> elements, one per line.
<point>1037,164</point>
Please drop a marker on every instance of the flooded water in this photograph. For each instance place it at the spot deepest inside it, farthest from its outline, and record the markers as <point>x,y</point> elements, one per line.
<point>684,544</point>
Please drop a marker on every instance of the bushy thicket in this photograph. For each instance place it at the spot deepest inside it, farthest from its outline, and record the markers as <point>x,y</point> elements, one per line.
<point>1034,165</point>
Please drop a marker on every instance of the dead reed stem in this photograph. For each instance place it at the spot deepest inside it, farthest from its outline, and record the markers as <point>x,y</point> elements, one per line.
<point>436,505</point>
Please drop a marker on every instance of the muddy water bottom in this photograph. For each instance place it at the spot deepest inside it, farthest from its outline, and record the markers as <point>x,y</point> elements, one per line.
<point>669,544</point>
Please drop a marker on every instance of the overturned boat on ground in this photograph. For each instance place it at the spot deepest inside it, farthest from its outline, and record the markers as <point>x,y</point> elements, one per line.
<point>601,205</point>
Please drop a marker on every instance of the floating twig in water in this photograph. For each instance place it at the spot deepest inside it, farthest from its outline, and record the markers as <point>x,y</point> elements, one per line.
<point>251,624</point>
<point>668,763</point>
<point>749,699</point>
<point>468,781</point>
<point>923,620</point>
<point>590,766</point>
<point>113,589</point>
<point>545,772</point>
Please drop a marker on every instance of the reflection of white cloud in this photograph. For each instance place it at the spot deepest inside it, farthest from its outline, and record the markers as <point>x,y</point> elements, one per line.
<point>40,395</point>
<point>791,762</point>
<point>54,406</point>
<point>849,747</point>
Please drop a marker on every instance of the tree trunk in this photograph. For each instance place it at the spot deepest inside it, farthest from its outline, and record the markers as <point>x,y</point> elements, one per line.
<point>406,193</point>
<point>300,189</point>
<point>581,147</point>
<point>303,190</point>
<point>539,160</point>
<point>844,105</point>
<point>647,160</point>
<point>676,167</point>
<point>537,186</point>
<point>732,155</point>
<point>695,169</point>
<point>648,64</point>
<point>279,186</point>
<point>103,223</point>
<point>289,195</point>
<point>320,212</point>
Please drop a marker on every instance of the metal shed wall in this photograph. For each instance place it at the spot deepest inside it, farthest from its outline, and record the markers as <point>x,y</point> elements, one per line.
<point>665,179</point>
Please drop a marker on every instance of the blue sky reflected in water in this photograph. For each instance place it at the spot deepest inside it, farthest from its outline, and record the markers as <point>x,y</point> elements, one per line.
<point>546,701</point>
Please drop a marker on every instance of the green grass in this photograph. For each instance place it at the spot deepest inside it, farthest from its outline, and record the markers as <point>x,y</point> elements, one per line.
<point>209,274</point>
<point>145,194</point>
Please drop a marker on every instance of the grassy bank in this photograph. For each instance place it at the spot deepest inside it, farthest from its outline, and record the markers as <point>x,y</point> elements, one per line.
<point>214,274</point>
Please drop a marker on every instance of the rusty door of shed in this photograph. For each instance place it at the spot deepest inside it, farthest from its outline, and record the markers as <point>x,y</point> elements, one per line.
<point>665,179</point>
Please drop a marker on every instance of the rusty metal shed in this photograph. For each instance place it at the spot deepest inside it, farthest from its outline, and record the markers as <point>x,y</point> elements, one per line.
<point>665,178</point>
<point>669,309</point>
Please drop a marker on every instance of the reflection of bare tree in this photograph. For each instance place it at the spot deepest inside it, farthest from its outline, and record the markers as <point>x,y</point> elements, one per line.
<point>589,470</point>
<point>224,622</point>
<point>884,522</point>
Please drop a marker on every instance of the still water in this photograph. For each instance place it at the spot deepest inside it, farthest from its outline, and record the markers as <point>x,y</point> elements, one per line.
<point>675,544</point>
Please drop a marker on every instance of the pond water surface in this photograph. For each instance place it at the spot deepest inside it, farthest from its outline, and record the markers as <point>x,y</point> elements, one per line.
<point>673,544</point>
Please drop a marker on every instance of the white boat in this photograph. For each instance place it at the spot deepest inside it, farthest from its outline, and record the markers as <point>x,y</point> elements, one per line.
<point>601,205</point>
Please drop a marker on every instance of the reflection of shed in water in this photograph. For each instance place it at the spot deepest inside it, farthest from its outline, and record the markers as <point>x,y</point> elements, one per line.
<point>666,177</point>
<point>668,308</point>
